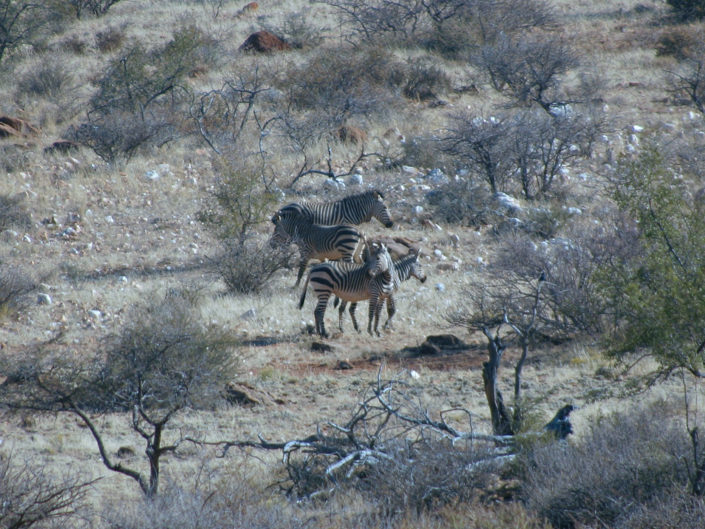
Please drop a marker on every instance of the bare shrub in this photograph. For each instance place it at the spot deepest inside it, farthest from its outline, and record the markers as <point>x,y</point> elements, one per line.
<point>15,287</point>
<point>529,68</point>
<point>230,503</point>
<point>425,80</point>
<point>13,212</point>
<point>248,266</point>
<point>623,461</point>
<point>675,509</point>
<point>50,78</point>
<point>31,496</point>
<point>344,83</point>
<point>298,32</point>
<point>140,98</point>
<point>21,22</point>
<point>424,476</point>
<point>687,80</point>
<point>162,362</point>
<point>462,202</point>
<point>110,39</point>
<point>95,7</point>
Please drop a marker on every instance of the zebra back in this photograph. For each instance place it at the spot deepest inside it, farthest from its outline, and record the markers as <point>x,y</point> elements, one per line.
<point>353,209</point>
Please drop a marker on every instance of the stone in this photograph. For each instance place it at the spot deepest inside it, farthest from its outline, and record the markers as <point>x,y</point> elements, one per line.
<point>264,42</point>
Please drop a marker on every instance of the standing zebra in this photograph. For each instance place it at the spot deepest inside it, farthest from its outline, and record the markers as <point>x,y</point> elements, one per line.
<point>316,241</point>
<point>353,209</point>
<point>348,281</point>
<point>403,269</point>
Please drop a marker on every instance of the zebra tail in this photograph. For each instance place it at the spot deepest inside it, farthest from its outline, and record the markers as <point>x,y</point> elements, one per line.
<point>303,294</point>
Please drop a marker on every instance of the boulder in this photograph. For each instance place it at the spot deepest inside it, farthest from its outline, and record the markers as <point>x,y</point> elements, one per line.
<point>20,126</point>
<point>264,42</point>
<point>61,147</point>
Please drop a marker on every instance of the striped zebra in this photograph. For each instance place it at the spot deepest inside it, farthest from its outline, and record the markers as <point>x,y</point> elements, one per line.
<point>349,281</point>
<point>403,269</point>
<point>353,209</point>
<point>316,241</point>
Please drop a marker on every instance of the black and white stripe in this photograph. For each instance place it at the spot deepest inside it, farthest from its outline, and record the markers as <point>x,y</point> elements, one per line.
<point>349,281</point>
<point>316,241</point>
<point>403,269</point>
<point>353,209</point>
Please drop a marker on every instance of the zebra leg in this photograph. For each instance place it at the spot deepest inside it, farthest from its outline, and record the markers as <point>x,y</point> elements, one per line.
<point>374,302</point>
<point>319,314</point>
<point>341,311</point>
<point>353,306</point>
<point>391,310</point>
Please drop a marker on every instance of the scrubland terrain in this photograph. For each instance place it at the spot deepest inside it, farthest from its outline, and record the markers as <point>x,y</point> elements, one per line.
<point>182,147</point>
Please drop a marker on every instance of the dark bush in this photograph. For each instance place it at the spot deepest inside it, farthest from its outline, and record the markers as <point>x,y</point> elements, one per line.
<point>31,496</point>
<point>622,462</point>
<point>141,97</point>
<point>462,202</point>
<point>248,266</point>
<point>688,9</point>
<point>50,78</point>
<point>345,83</point>
<point>13,212</point>
<point>110,39</point>
<point>15,287</point>
<point>425,80</point>
<point>679,42</point>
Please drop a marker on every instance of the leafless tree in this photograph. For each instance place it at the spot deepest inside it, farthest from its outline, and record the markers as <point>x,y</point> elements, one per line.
<point>161,363</point>
<point>688,80</point>
<point>389,432</point>
<point>529,69</point>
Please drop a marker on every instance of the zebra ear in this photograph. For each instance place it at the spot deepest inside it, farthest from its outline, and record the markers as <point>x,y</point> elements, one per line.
<point>416,252</point>
<point>276,218</point>
<point>379,194</point>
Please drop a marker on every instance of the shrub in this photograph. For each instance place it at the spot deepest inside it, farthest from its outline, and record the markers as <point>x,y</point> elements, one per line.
<point>32,496</point>
<point>688,9</point>
<point>140,97</point>
<point>14,289</point>
<point>247,267</point>
<point>110,39</point>
<point>623,461</point>
<point>679,42</point>
<point>425,80</point>
<point>13,212</point>
<point>462,202</point>
<point>50,78</point>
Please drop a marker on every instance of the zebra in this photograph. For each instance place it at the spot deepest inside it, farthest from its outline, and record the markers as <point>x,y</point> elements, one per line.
<point>403,269</point>
<point>349,281</point>
<point>316,241</point>
<point>353,209</point>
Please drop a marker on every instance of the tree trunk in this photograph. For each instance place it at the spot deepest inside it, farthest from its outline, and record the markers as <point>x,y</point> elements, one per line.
<point>501,422</point>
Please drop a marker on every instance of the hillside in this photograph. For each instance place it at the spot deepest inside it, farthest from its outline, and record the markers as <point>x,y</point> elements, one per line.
<point>496,136</point>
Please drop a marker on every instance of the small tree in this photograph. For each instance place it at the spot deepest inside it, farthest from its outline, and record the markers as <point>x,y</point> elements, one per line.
<point>688,80</point>
<point>161,364</point>
<point>20,22</point>
<point>658,295</point>
<point>688,9</point>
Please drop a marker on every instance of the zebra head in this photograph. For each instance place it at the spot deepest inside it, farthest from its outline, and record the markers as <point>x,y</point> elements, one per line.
<point>282,232</point>
<point>380,210</point>
<point>380,261</point>
<point>416,269</point>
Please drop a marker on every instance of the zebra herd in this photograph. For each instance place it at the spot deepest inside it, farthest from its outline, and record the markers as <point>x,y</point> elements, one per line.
<point>352,268</point>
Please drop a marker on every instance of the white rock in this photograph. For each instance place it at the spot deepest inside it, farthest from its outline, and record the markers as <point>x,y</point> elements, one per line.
<point>249,315</point>
<point>413,374</point>
<point>440,287</point>
<point>355,180</point>
<point>151,175</point>
<point>44,299</point>
<point>438,253</point>
<point>417,210</point>
<point>95,314</point>
<point>109,219</point>
<point>637,128</point>
<point>407,169</point>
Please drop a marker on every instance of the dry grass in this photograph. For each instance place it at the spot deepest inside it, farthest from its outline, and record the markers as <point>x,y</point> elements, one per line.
<point>108,236</point>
